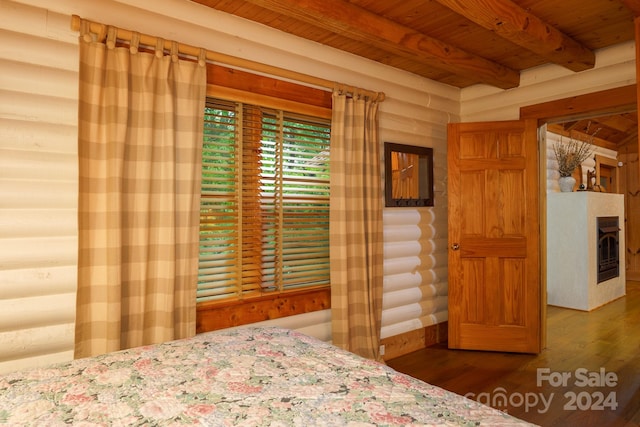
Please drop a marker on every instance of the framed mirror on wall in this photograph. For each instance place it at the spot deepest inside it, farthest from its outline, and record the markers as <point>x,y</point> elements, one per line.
<point>408,172</point>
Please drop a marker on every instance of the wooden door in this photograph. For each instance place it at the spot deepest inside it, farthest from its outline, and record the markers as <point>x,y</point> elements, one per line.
<point>494,237</point>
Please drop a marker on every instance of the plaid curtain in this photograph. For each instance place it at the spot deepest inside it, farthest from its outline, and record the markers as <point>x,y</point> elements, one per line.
<point>140,142</point>
<point>356,225</point>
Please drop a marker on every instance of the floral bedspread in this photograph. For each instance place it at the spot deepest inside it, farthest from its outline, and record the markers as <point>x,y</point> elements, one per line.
<point>249,377</point>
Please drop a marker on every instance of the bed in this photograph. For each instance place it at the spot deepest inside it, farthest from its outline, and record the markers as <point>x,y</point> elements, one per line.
<point>248,377</point>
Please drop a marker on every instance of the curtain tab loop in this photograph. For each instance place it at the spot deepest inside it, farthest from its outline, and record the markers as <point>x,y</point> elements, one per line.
<point>102,33</point>
<point>174,51</point>
<point>111,37</point>
<point>85,31</point>
<point>202,59</point>
<point>159,47</point>
<point>135,42</point>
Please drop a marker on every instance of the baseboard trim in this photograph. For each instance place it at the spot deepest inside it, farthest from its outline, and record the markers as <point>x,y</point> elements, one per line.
<point>411,341</point>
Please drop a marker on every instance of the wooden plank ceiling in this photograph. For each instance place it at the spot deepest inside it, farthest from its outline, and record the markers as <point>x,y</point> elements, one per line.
<point>611,131</point>
<point>457,42</point>
<point>461,42</point>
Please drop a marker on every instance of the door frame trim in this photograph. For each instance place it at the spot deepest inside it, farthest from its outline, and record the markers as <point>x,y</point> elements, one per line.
<point>604,102</point>
<point>609,101</point>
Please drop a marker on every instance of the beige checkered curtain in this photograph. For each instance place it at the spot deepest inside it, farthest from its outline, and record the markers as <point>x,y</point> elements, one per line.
<point>140,142</point>
<point>356,225</point>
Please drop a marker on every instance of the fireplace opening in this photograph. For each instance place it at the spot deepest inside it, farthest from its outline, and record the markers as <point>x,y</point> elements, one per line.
<point>608,251</point>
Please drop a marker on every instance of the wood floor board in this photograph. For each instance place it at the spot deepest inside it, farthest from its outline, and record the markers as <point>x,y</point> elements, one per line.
<point>606,338</point>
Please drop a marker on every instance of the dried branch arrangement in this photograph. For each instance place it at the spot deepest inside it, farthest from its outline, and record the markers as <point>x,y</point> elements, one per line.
<point>571,154</point>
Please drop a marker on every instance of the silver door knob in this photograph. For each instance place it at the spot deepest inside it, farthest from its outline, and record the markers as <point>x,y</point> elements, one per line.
<point>455,246</point>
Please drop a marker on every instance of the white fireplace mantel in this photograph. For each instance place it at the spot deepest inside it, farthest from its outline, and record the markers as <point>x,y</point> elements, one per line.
<point>572,249</point>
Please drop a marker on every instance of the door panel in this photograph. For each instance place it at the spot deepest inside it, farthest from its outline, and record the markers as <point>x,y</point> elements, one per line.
<point>494,267</point>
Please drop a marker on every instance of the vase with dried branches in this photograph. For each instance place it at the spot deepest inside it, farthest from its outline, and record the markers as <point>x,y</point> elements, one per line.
<point>570,155</point>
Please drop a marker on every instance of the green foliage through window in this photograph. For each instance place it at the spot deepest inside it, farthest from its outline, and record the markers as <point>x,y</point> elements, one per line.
<point>264,216</point>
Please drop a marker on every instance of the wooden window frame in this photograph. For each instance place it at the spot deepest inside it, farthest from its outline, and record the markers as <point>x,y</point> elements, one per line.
<point>602,163</point>
<point>242,86</point>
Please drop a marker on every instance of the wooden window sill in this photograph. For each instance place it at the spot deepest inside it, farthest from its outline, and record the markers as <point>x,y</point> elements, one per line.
<point>211,316</point>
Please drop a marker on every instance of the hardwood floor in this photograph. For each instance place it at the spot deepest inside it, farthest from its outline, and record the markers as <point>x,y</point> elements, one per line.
<point>597,352</point>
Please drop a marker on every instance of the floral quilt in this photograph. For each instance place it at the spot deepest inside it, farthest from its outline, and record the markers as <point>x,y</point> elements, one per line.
<point>242,377</point>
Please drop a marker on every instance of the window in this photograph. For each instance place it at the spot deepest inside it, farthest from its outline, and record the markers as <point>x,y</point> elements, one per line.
<point>264,214</point>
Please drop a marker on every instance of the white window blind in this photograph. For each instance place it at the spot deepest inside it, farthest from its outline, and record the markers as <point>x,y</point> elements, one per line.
<point>264,213</point>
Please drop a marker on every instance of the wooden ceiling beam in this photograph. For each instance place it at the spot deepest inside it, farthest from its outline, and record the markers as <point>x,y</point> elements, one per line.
<point>511,22</point>
<point>346,19</point>
<point>632,140</point>
<point>559,129</point>
<point>619,123</point>
<point>610,101</point>
<point>633,6</point>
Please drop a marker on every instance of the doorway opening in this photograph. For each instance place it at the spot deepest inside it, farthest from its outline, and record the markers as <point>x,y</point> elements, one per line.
<point>609,103</point>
